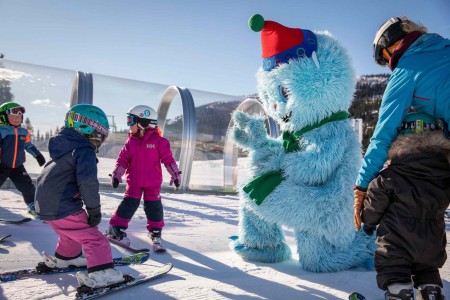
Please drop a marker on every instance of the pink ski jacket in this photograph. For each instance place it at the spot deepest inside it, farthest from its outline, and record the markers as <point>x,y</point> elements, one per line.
<point>142,158</point>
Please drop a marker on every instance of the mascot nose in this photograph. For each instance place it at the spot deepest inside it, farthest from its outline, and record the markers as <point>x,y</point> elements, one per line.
<point>275,106</point>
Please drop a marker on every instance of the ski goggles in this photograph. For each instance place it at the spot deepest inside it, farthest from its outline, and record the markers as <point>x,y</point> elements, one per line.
<point>75,117</point>
<point>97,138</point>
<point>131,120</point>
<point>16,111</point>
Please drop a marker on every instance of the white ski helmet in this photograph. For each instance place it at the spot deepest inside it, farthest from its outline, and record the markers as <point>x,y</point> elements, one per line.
<point>142,115</point>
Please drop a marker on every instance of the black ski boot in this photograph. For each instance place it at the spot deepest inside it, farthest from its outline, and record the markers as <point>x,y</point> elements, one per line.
<point>118,233</point>
<point>431,292</point>
<point>405,294</point>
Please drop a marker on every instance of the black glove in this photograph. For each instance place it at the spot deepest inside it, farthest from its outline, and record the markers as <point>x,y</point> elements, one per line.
<point>94,216</point>
<point>368,229</point>
<point>115,182</point>
<point>40,159</point>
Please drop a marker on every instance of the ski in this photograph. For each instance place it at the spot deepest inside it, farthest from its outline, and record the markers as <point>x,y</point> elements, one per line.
<point>356,296</point>
<point>126,246</point>
<point>86,293</point>
<point>159,248</point>
<point>15,221</point>
<point>2,238</point>
<point>42,269</point>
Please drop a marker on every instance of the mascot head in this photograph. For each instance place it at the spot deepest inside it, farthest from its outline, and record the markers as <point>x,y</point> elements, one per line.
<point>306,76</point>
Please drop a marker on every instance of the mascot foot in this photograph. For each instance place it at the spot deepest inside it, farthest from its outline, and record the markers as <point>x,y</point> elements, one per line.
<point>279,253</point>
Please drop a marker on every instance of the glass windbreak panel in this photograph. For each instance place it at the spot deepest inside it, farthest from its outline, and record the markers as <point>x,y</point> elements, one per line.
<point>213,115</point>
<point>45,93</point>
<point>116,96</point>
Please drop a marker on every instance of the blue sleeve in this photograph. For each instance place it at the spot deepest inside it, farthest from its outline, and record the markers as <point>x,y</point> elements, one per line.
<point>86,174</point>
<point>396,103</point>
<point>29,147</point>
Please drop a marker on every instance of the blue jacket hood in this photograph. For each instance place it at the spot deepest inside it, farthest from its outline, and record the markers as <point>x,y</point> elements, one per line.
<point>67,140</point>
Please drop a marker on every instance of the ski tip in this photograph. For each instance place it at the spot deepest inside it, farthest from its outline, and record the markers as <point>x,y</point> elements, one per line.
<point>10,277</point>
<point>233,237</point>
<point>168,266</point>
<point>145,256</point>
<point>356,296</point>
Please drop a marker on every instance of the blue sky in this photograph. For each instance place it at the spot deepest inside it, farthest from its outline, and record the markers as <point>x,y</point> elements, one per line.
<point>199,44</point>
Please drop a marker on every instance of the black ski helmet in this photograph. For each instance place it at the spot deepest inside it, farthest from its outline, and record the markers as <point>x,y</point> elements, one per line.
<point>390,32</point>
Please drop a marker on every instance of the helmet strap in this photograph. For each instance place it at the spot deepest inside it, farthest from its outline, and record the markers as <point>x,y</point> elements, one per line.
<point>4,117</point>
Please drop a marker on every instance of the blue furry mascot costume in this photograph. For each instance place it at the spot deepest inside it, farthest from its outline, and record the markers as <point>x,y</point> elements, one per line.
<point>304,179</point>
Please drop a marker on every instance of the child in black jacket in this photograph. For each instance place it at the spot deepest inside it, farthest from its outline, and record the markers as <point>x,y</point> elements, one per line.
<point>408,201</point>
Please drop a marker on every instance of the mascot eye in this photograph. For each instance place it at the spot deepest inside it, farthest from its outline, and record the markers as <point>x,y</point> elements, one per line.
<point>283,93</point>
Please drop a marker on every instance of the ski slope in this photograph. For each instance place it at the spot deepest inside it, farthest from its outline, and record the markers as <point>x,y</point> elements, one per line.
<point>196,235</point>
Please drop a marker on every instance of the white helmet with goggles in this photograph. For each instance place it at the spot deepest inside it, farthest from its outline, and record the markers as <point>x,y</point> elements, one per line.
<point>10,108</point>
<point>387,35</point>
<point>142,115</point>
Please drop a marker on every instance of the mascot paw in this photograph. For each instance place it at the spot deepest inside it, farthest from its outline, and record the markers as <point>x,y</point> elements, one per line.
<point>248,131</point>
<point>267,255</point>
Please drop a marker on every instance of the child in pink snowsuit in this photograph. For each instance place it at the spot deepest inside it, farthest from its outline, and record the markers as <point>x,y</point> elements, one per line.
<point>140,160</point>
<point>67,197</point>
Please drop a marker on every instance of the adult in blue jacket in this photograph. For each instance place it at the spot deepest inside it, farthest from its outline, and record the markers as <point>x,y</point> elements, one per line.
<point>420,80</point>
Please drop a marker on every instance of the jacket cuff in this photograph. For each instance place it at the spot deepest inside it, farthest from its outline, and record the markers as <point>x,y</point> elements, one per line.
<point>356,187</point>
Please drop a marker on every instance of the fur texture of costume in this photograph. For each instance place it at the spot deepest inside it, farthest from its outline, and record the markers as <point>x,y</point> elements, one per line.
<point>313,184</point>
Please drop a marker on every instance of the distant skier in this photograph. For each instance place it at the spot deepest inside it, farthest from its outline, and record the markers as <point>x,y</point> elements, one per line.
<point>408,200</point>
<point>67,182</point>
<point>14,141</point>
<point>420,62</point>
<point>140,159</point>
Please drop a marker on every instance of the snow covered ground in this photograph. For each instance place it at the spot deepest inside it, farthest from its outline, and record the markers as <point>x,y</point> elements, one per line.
<point>196,234</point>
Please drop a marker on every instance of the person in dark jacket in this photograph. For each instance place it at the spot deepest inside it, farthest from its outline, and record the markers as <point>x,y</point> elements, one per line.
<point>407,201</point>
<point>14,141</point>
<point>67,182</point>
<point>420,65</point>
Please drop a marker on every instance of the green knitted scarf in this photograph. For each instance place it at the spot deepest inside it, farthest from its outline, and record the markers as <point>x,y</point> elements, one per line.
<point>260,187</point>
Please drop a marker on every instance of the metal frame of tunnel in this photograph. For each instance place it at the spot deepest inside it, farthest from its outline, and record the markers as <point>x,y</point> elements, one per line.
<point>82,89</point>
<point>230,156</point>
<point>82,93</point>
<point>189,133</point>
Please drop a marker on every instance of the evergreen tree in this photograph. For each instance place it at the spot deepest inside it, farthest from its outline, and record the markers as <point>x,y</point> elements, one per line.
<point>28,125</point>
<point>5,89</point>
